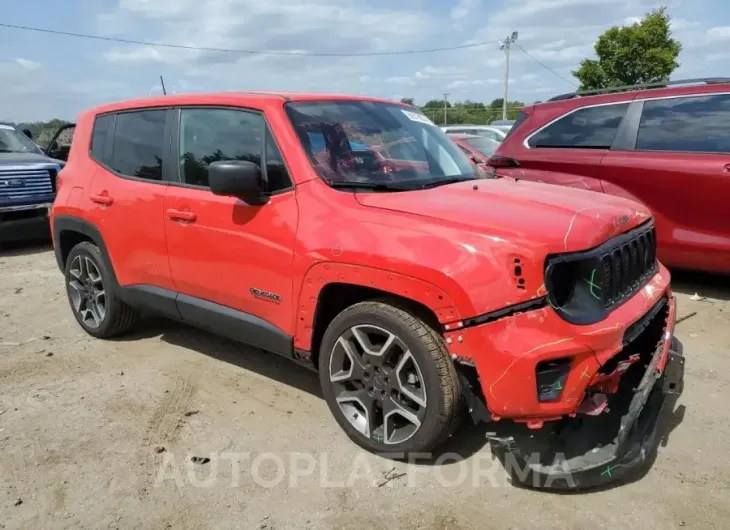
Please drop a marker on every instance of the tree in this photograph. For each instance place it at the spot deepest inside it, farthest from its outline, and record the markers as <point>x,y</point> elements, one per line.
<point>407,101</point>
<point>436,104</point>
<point>497,103</point>
<point>643,52</point>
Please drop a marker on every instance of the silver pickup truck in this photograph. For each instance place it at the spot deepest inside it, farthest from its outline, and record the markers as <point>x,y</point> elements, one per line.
<point>27,182</point>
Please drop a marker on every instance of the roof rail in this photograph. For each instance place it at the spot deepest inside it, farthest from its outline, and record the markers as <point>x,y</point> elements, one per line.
<point>658,84</point>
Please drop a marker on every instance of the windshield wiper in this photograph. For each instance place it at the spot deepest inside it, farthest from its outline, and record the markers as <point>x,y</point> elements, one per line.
<point>443,182</point>
<point>370,186</point>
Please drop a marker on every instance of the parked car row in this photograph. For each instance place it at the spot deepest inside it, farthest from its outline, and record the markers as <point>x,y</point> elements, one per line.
<point>351,235</point>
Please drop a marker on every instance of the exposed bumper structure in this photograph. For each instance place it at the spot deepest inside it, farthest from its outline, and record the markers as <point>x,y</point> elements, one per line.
<point>618,377</point>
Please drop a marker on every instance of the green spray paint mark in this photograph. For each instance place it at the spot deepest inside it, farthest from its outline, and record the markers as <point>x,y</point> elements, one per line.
<point>609,469</point>
<point>592,284</point>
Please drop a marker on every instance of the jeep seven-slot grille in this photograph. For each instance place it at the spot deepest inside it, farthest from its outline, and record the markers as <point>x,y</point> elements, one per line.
<point>24,183</point>
<point>628,264</point>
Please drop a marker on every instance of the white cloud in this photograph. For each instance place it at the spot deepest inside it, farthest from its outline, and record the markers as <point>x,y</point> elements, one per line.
<point>464,8</point>
<point>719,34</point>
<point>28,64</point>
<point>557,33</point>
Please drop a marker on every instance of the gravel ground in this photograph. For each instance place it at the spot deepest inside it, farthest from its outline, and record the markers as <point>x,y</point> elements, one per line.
<point>101,435</point>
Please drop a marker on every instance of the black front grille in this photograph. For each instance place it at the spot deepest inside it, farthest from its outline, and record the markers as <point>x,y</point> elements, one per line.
<point>627,262</point>
<point>585,286</point>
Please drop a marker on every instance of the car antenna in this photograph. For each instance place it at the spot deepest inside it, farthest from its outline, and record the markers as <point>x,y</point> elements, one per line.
<point>162,82</point>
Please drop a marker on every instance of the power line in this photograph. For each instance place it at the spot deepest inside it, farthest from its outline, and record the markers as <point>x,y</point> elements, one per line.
<point>545,66</point>
<point>247,52</point>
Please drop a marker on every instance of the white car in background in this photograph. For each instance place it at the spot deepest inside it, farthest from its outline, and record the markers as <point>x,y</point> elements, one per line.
<point>502,125</point>
<point>493,133</point>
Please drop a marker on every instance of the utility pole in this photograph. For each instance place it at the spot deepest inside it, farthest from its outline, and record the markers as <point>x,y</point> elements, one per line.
<point>505,45</point>
<point>162,82</point>
<point>446,102</point>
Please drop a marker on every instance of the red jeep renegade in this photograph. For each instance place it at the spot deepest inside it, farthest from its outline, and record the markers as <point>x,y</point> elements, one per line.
<point>414,289</point>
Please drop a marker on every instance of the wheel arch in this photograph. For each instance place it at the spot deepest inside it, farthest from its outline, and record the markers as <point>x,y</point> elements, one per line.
<point>69,231</point>
<point>329,288</point>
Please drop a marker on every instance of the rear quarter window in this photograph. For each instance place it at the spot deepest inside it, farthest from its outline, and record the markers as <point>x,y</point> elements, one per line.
<point>521,118</point>
<point>99,135</point>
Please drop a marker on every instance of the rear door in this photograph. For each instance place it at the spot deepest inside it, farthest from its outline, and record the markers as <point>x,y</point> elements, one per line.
<point>126,197</point>
<point>569,150</point>
<point>677,162</point>
<point>60,143</point>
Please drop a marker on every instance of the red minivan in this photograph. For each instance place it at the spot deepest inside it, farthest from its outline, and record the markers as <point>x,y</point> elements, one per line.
<point>666,145</point>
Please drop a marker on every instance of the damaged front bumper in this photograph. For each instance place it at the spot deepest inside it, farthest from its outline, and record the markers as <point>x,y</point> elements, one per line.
<point>624,457</point>
<point>580,437</point>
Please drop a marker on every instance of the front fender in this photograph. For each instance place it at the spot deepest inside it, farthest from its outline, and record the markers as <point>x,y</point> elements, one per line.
<point>323,274</point>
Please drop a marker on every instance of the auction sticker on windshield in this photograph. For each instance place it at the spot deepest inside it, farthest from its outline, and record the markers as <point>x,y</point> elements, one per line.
<point>415,116</point>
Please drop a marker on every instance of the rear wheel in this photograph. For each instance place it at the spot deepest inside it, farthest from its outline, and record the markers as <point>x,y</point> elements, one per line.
<point>388,379</point>
<point>90,291</point>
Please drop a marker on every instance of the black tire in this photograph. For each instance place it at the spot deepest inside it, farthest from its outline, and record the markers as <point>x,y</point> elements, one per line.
<point>118,317</point>
<point>443,410</point>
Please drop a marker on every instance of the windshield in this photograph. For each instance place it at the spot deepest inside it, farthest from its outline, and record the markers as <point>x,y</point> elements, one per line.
<point>14,141</point>
<point>485,146</point>
<point>380,146</point>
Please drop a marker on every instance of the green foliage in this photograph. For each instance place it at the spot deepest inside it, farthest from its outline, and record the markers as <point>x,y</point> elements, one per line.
<point>471,112</point>
<point>407,101</point>
<point>643,52</point>
<point>42,131</point>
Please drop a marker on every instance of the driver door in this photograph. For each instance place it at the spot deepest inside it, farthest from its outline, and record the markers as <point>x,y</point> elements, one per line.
<point>60,143</point>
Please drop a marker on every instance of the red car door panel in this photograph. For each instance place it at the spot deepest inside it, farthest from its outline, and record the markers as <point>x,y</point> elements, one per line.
<point>234,254</point>
<point>688,195</point>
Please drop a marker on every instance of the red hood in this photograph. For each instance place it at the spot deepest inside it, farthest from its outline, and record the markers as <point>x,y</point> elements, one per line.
<point>562,219</point>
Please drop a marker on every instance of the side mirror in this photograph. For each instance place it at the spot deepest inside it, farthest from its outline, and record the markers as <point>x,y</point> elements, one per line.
<point>28,133</point>
<point>236,178</point>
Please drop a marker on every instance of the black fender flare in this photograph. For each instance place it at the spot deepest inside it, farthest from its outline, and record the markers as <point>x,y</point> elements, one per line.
<point>68,223</point>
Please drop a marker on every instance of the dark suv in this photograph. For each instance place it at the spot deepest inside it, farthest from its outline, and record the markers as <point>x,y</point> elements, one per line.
<point>665,145</point>
<point>27,182</point>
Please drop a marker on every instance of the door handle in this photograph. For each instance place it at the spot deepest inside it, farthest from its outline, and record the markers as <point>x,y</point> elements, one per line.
<point>102,198</point>
<point>181,215</point>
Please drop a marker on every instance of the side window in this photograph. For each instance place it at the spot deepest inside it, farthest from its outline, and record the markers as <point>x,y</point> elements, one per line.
<point>209,135</point>
<point>99,135</point>
<point>276,171</point>
<point>588,128</point>
<point>138,144</point>
<point>698,124</point>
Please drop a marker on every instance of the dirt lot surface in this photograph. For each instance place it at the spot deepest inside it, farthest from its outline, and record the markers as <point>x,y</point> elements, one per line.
<point>100,435</point>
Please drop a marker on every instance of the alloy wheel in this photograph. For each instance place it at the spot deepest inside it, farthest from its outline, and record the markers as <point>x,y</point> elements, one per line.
<point>378,384</point>
<point>86,291</point>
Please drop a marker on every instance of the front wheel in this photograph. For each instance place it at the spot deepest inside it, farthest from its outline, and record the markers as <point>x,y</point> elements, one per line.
<point>388,379</point>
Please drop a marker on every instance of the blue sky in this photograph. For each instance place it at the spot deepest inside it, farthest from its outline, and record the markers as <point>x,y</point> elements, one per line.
<point>46,76</point>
